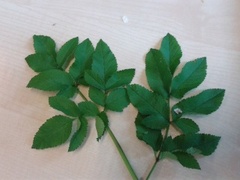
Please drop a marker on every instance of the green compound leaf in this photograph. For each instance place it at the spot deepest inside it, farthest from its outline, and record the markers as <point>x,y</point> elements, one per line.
<point>66,52</point>
<point>191,76</point>
<point>104,62</point>
<point>94,80</point>
<point>101,124</point>
<point>147,102</point>
<point>40,62</point>
<point>158,74</point>
<point>97,96</point>
<point>206,102</point>
<point>88,108</point>
<point>79,136</point>
<point>117,100</point>
<point>150,136</point>
<point>206,143</point>
<point>51,80</point>
<point>171,52</point>
<point>186,125</point>
<point>83,59</point>
<point>44,45</point>
<point>187,160</point>
<point>55,131</point>
<point>155,121</point>
<point>68,92</point>
<point>120,78</point>
<point>64,105</point>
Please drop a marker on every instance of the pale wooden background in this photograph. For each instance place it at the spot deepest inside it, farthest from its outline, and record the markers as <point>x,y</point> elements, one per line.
<point>203,28</point>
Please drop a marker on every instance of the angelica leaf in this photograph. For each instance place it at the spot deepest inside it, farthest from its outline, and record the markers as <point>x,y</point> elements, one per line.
<point>87,108</point>
<point>117,100</point>
<point>104,62</point>
<point>191,76</point>
<point>101,124</point>
<point>51,80</point>
<point>186,125</point>
<point>97,96</point>
<point>187,160</point>
<point>68,92</point>
<point>206,143</point>
<point>40,62</point>
<point>64,105</point>
<point>155,121</point>
<point>94,80</point>
<point>169,145</point>
<point>66,52</point>
<point>171,52</point>
<point>147,102</point>
<point>79,136</point>
<point>55,131</point>
<point>158,74</point>
<point>151,137</point>
<point>206,102</point>
<point>83,59</point>
<point>44,45</point>
<point>120,78</point>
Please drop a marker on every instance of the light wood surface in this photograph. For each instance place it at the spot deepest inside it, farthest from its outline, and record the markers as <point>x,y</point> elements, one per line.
<point>208,28</point>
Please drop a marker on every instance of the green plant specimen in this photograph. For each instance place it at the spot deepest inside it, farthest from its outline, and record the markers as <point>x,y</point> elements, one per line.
<point>76,65</point>
<point>155,115</point>
<point>93,68</point>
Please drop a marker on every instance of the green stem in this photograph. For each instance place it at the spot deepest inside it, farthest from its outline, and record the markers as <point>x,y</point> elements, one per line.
<point>153,167</point>
<point>122,154</point>
<point>159,154</point>
<point>116,143</point>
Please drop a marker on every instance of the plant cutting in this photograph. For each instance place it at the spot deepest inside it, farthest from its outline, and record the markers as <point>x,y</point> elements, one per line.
<point>155,115</point>
<point>76,65</point>
<point>94,68</point>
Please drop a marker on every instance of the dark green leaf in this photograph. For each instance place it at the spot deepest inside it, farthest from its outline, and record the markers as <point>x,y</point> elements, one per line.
<point>88,108</point>
<point>117,100</point>
<point>147,102</point>
<point>66,52</point>
<point>206,102</point>
<point>150,136</point>
<point>40,62</point>
<point>69,92</point>
<point>104,62</point>
<point>83,59</point>
<point>120,78</point>
<point>155,121</point>
<point>191,76</point>
<point>206,143</point>
<point>64,105</point>
<point>168,145</point>
<point>187,160</point>
<point>94,80</point>
<point>44,44</point>
<point>97,96</point>
<point>51,80</point>
<point>101,124</point>
<point>158,74</point>
<point>79,136</point>
<point>55,131</point>
<point>171,52</point>
<point>186,125</point>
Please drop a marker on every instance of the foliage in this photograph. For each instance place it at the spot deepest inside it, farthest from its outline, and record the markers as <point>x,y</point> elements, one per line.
<point>155,116</point>
<point>76,65</point>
